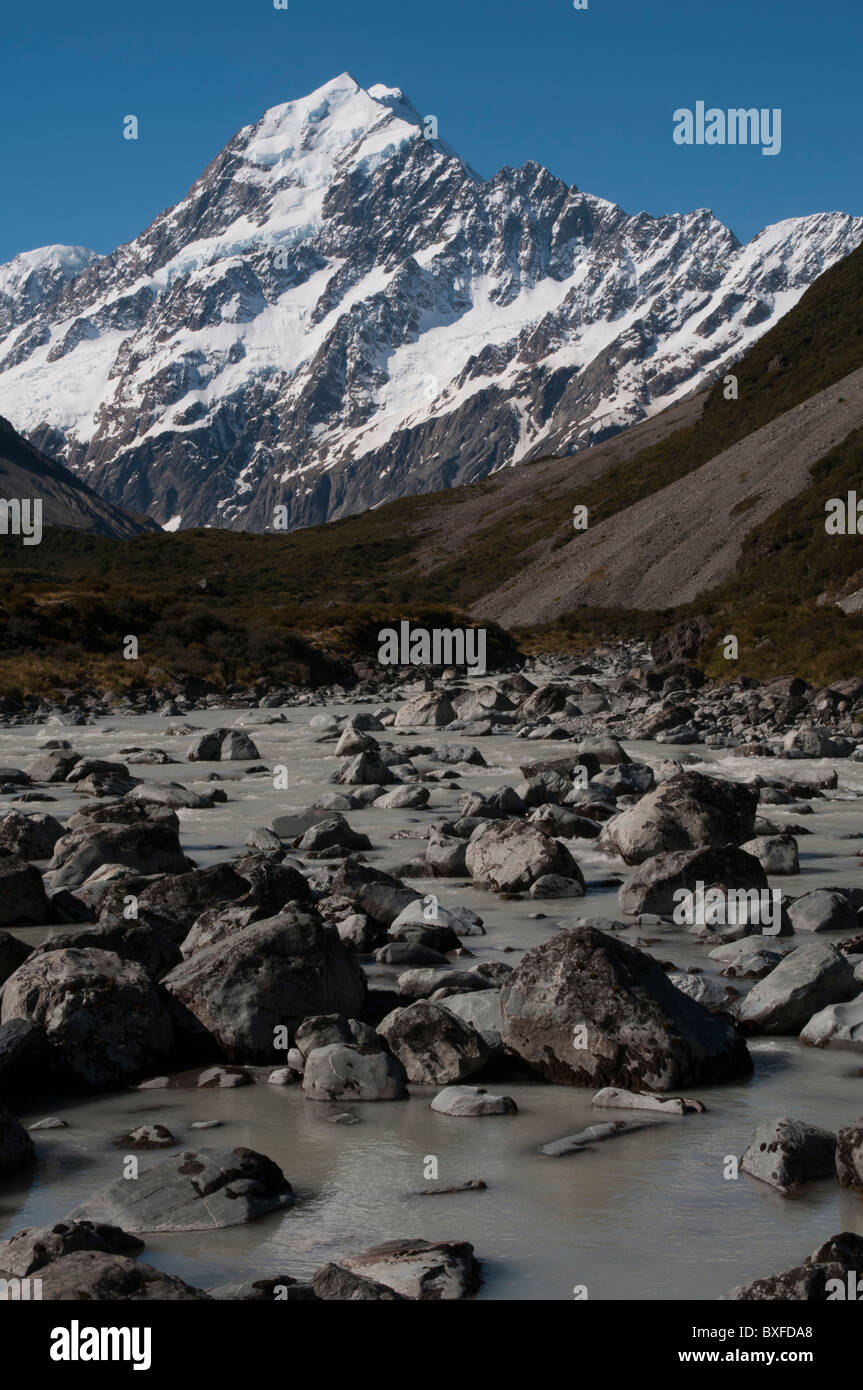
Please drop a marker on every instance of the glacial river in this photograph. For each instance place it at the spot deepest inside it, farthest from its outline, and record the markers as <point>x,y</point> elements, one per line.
<point>645,1216</point>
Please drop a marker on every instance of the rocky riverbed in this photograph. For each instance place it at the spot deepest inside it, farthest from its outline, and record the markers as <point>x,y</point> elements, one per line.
<point>338,974</point>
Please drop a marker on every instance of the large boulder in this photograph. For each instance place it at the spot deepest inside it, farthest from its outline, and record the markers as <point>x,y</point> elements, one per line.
<point>377,894</point>
<point>341,1072</point>
<point>148,847</point>
<point>429,708</point>
<point>684,813</point>
<point>838,1024</point>
<point>93,1277</point>
<point>23,901</point>
<point>432,1044</point>
<point>813,1281</point>
<point>34,1247</point>
<point>803,984</point>
<point>202,1190</point>
<point>130,940</point>
<point>510,855</point>
<point>653,885</point>
<point>787,1152</point>
<point>32,836</point>
<point>366,769</point>
<point>272,973</point>
<point>584,1009</point>
<point>824,909</point>
<point>223,745</point>
<point>104,1020</point>
<point>464,1101</point>
<point>777,854</point>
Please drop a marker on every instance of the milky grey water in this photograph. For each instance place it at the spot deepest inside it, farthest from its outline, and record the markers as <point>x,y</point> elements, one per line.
<point>646,1216</point>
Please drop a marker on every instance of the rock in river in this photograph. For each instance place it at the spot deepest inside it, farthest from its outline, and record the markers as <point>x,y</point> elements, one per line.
<point>201,1190</point>
<point>585,1009</point>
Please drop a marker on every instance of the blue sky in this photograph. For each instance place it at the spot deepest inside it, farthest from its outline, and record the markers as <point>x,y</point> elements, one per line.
<point>590,94</point>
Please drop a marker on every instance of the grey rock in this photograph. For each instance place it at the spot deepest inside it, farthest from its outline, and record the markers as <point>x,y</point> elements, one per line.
<point>788,1152</point>
<point>585,1009</point>
<point>203,1190</point>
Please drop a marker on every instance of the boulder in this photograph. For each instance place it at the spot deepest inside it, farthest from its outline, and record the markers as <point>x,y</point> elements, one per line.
<point>424,912</point>
<point>626,779</point>
<point>585,1009</point>
<point>202,1190</point>
<point>333,831</point>
<point>849,1159</point>
<point>471,1100</point>
<point>431,707</point>
<point>103,1020</point>
<point>23,901</point>
<point>787,1152</point>
<point>432,1044</point>
<point>172,794</point>
<point>418,1269</point>
<point>336,1282</point>
<point>273,973</point>
<point>607,751</point>
<point>777,854</point>
<point>29,836</point>
<point>686,812</point>
<point>482,1010</point>
<point>613,1098</point>
<point>366,769</point>
<point>223,745</point>
<point>805,982</point>
<point>148,847</point>
<point>30,1250</point>
<point>403,798</point>
<point>815,1280</point>
<point>377,894</point>
<point>446,856</point>
<point>340,1072</point>
<point>652,886</point>
<point>509,856</point>
<point>93,1277</point>
<point>823,909</point>
<point>132,940</point>
<point>838,1023</point>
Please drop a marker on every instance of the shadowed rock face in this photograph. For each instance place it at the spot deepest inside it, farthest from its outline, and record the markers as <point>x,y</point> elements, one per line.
<point>66,500</point>
<point>103,1020</point>
<point>586,1010</point>
<point>810,1281</point>
<point>94,1277</point>
<point>273,973</point>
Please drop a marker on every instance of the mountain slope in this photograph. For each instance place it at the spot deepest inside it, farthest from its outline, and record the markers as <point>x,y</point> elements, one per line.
<point>66,501</point>
<point>340,312</point>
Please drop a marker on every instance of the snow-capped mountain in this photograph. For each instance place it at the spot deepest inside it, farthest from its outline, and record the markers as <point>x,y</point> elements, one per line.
<point>341,312</point>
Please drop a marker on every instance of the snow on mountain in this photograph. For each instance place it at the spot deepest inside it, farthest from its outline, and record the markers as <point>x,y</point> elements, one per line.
<point>340,311</point>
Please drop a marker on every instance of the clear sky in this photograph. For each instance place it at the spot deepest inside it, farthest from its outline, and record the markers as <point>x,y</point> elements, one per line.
<point>589,93</point>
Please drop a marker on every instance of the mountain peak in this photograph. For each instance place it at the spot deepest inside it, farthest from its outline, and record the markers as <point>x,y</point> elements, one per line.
<point>334,118</point>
